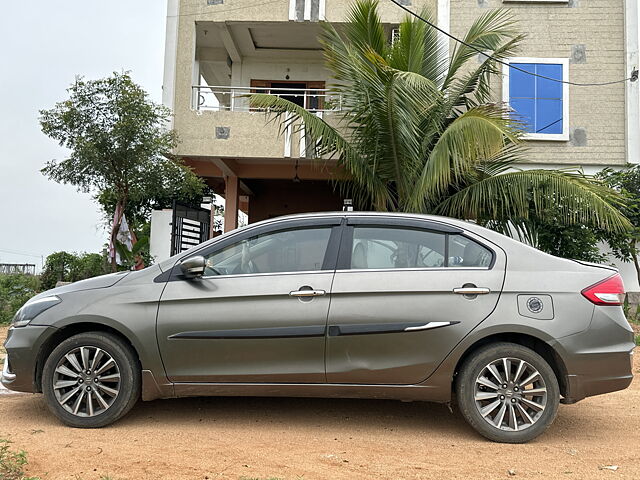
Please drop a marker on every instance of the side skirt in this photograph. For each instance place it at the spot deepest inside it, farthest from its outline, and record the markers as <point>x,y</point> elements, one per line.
<point>394,392</point>
<point>153,389</point>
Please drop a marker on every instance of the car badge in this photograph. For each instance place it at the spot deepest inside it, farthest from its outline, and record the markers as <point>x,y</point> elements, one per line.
<point>535,305</point>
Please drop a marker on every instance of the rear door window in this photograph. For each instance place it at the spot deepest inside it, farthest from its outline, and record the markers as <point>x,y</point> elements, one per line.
<point>375,247</point>
<point>382,248</point>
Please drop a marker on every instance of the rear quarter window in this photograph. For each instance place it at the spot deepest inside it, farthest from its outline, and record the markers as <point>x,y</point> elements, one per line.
<point>464,252</point>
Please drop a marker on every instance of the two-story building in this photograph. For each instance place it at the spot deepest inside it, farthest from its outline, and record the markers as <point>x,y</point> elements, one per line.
<point>218,51</point>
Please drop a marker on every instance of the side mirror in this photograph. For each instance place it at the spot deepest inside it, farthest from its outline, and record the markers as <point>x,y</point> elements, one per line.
<point>193,267</point>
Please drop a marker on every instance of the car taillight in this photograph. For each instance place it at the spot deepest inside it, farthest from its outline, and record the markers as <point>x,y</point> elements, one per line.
<point>609,291</point>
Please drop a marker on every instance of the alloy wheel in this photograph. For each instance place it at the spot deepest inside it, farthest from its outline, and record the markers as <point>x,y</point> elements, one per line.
<point>86,381</point>
<point>510,394</point>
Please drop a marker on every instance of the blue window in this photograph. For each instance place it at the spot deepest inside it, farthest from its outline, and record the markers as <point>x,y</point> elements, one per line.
<point>539,102</point>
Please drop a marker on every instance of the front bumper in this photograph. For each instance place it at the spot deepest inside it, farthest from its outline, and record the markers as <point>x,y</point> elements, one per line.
<point>23,345</point>
<point>600,359</point>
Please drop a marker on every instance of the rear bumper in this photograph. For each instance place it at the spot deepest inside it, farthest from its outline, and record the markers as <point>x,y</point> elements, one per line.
<point>580,386</point>
<point>23,345</point>
<point>600,359</point>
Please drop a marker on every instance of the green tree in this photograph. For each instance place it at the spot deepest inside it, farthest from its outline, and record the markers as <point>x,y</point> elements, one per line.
<point>118,143</point>
<point>418,133</point>
<point>57,268</point>
<point>624,246</point>
<point>71,267</point>
<point>576,241</point>
<point>15,290</point>
<point>88,265</point>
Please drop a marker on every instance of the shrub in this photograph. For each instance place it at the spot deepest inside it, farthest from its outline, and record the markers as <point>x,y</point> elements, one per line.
<point>71,267</point>
<point>15,290</point>
<point>12,463</point>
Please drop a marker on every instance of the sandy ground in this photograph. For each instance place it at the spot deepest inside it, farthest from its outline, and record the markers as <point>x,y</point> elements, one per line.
<point>241,438</point>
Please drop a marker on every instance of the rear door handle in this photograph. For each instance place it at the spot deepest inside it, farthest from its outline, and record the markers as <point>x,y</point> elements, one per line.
<point>471,290</point>
<point>307,293</point>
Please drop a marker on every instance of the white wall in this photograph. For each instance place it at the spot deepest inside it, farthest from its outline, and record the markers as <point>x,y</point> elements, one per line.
<point>170,53</point>
<point>627,272</point>
<point>160,238</point>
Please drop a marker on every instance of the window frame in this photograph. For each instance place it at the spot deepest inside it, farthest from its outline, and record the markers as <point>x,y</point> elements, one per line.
<point>330,256</point>
<point>346,245</point>
<point>549,137</point>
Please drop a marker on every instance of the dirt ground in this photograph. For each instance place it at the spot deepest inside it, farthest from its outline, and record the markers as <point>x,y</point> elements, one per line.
<point>242,438</point>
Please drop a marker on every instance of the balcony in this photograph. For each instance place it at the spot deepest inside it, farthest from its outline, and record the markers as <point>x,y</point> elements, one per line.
<point>222,123</point>
<point>235,99</point>
<point>227,63</point>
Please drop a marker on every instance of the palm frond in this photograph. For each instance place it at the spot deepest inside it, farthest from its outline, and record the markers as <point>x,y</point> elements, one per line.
<point>329,143</point>
<point>418,50</point>
<point>510,197</point>
<point>502,161</point>
<point>474,87</point>
<point>364,27</point>
<point>477,135</point>
<point>486,34</point>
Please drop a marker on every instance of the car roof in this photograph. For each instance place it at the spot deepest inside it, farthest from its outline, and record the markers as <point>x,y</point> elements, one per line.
<point>354,214</point>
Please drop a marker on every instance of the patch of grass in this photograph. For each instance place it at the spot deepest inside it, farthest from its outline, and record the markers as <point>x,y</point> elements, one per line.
<point>12,463</point>
<point>638,340</point>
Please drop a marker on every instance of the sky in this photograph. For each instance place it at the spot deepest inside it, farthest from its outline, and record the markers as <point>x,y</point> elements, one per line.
<point>43,46</point>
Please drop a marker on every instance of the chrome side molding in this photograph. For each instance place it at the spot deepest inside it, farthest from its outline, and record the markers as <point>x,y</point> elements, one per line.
<point>428,326</point>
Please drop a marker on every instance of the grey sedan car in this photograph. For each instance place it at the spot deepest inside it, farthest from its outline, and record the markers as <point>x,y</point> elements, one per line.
<point>359,305</point>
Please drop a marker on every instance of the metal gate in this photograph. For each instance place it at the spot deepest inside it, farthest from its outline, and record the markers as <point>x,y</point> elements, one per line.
<point>189,227</point>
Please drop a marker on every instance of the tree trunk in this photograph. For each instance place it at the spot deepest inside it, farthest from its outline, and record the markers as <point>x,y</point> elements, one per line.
<point>634,256</point>
<point>114,233</point>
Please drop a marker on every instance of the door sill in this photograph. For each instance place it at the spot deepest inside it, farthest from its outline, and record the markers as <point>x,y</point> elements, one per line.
<point>317,390</point>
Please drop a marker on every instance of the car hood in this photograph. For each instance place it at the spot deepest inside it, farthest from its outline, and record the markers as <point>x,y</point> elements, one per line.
<point>102,281</point>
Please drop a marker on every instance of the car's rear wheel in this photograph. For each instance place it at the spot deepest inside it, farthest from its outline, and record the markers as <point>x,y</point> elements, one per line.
<point>91,380</point>
<point>507,392</point>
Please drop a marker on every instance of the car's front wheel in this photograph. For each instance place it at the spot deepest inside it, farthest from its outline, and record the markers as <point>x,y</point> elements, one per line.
<point>91,380</point>
<point>507,392</point>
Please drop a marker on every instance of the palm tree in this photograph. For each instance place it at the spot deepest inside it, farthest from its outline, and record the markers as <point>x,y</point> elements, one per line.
<point>419,132</point>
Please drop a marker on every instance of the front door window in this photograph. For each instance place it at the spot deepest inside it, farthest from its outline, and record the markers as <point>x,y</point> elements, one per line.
<point>301,250</point>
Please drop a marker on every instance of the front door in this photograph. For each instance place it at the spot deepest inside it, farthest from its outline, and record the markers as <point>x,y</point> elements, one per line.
<point>403,296</point>
<point>259,313</point>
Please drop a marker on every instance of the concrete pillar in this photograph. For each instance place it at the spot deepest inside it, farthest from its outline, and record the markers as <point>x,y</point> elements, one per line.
<point>230,203</point>
<point>244,204</point>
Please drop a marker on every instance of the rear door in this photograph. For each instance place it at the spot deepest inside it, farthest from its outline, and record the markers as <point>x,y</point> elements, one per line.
<point>405,293</point>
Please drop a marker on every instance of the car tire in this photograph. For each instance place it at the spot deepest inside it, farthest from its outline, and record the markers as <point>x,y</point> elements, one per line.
<point>514,412</point>
<point>91,380</point>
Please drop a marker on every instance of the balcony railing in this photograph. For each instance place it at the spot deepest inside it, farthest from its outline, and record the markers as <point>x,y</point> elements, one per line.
<point>236,99</point>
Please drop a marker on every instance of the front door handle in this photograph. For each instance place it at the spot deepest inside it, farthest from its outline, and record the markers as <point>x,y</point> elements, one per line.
<point>471,290</point>
<point>307,293</point>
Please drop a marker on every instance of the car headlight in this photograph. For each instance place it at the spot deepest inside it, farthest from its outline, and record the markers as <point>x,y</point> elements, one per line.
<point>32,309</point>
